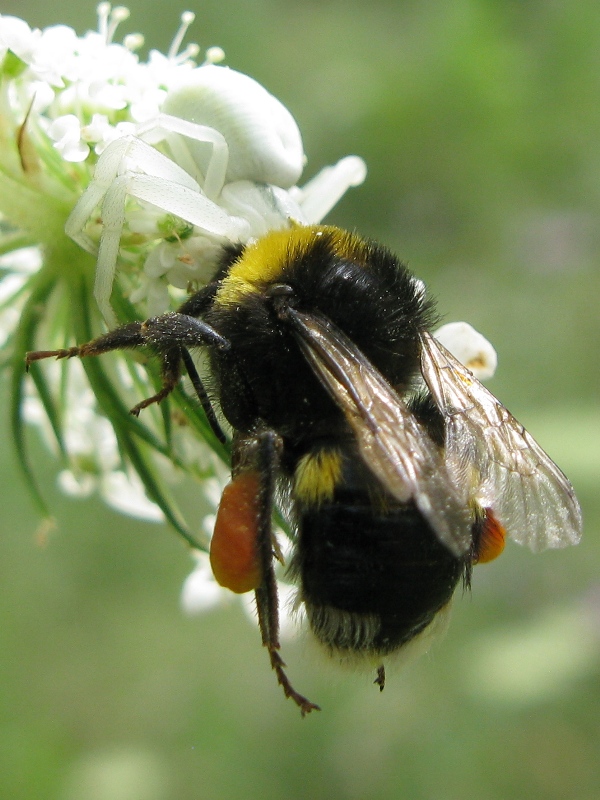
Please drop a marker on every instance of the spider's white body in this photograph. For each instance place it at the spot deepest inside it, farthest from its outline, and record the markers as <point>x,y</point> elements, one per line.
<point>235,152</point>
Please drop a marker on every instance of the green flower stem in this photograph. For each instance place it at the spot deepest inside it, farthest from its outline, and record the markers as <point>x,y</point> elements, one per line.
<point>23,339</point>
<point>60,256</point>
<point>127,429</point>
<point>9,242</point>
<point>37,214</point>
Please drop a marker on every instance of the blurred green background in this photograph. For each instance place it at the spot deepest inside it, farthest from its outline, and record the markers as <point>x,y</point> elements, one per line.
<point>480,123</point>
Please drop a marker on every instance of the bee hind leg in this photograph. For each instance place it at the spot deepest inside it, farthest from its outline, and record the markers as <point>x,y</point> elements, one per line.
<point>263,451</point>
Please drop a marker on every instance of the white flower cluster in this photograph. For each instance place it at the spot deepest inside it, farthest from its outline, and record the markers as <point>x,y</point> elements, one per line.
<point>93,451</point>
<point>76,84</point>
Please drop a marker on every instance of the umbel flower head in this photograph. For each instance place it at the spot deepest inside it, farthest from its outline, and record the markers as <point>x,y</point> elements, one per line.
<point>121,180</point>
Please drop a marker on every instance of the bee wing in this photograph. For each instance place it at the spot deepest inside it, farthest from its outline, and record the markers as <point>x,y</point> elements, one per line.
<point>489,450</point>
<point>392,443</point>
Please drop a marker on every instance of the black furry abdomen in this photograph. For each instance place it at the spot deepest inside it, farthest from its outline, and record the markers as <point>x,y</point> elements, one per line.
<point>371,580</point>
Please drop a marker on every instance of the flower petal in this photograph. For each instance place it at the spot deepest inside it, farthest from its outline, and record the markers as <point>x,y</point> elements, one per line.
<point>470,347</point>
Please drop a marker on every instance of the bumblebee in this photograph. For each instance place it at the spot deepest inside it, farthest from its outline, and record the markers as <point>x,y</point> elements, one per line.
<point>399,470</point>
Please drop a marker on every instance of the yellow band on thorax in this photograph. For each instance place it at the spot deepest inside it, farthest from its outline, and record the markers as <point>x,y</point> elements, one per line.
<point>265,261</point>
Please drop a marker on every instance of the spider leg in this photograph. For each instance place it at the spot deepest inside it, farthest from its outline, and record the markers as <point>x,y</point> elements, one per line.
<point>106,171</point>
<point>153,178</point>
<point>171,197</point>
<point>172,128</point>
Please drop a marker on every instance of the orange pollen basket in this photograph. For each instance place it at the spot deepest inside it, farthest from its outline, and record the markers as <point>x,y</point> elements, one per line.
<point>492,540</point>
<point>233,550</point>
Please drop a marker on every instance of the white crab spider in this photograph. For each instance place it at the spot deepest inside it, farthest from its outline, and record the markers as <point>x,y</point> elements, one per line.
<point>219,126</point>
<point>234,148</point>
